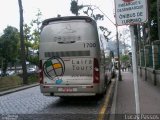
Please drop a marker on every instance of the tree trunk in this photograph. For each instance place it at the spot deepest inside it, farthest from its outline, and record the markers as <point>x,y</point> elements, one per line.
<point>144,33</point>
<point>23,58</point>
<point>149,23</point>
<point>158,14</point>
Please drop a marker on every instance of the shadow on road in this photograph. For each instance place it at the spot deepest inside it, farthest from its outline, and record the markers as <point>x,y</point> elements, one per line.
<point>77,101</point>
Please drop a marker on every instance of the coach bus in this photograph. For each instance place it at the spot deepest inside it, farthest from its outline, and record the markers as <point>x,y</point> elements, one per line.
<point>72,60</point>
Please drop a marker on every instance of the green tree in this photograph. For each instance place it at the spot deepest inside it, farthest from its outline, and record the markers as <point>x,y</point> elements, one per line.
<point>124,58</point>
<point>75,7</point>
<point>9,47</point>
<point>36,24</point>
<point>153,17</point>
<point>27,38</point>
<point>33,37</point>
<point>30,45</point>
<point>150,28</point>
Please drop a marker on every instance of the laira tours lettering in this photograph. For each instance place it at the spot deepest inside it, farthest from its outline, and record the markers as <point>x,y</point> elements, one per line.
<point>81,61</point>
<point>82,64</point>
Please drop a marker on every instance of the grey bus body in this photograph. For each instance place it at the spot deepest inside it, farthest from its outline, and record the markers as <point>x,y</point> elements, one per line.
<point>72,57</point>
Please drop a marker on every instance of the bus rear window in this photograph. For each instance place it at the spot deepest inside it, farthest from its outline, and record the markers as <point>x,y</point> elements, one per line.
<point>69,31</point>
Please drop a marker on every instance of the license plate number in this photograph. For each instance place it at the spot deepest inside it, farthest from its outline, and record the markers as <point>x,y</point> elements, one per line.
<point>67,89</point>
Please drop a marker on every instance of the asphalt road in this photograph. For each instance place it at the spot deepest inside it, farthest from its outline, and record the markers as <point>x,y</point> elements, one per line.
<point>30,104</point>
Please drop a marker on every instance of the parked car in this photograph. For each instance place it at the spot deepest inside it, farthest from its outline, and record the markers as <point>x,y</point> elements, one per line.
<point>10,72</point>
<point>2,74</point>
<point>31,70</point>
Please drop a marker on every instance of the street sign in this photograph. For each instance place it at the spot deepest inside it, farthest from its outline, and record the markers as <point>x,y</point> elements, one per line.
<point>130,11</point>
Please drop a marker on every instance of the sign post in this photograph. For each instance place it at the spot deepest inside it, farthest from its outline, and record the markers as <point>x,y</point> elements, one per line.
<point>134,64</point>
<point>132,12</point>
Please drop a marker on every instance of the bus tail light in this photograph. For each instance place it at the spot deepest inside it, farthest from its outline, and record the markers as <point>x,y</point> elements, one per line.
<point>96,74</point>
<point>41,73</point>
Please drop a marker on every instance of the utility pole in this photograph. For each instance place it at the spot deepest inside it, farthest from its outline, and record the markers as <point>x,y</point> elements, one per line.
<point>119,66</point>
<point>158,14</point>
<point>134,64</point>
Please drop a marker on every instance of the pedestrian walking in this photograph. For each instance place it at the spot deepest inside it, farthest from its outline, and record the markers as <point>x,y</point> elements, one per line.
<point>122,67</point>
<point>129,67</point>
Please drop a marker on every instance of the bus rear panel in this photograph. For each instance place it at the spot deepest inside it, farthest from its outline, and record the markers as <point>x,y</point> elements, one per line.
<point>71,59</point>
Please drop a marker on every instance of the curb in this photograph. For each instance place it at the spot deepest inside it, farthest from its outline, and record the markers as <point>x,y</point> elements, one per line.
<point>18,89</point>
<point>105,108</point>
<point>114,101</point>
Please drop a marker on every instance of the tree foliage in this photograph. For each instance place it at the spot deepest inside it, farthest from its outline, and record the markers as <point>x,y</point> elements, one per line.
<point>9,47</point>
<point>32,38</point>
<point>35,24</point>
<point>10,43</point>
<point>75,7</point>
<point>90,12</point>
<point>27,38</point>
<point>150,29</point>
<point>106,32</point>
<point>124,58</point>
<point>154,20</point>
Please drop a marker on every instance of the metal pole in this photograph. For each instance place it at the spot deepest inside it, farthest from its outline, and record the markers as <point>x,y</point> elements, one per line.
<point>158,12</point>
<point>119,67</point>
<point>134,64</point>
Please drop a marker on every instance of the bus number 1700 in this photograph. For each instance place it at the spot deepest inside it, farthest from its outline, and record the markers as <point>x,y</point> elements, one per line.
<point>87,45</point>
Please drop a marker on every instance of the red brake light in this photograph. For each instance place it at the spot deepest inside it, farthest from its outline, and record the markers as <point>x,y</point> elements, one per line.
<point>96,75</point>
<point>41,73</point>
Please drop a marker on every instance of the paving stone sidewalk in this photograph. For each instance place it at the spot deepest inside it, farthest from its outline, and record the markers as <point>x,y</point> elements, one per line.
<point>124,98</point>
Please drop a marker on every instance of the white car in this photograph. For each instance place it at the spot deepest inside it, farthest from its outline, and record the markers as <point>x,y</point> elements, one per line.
<point>10,72</point>
<point>31,70</point>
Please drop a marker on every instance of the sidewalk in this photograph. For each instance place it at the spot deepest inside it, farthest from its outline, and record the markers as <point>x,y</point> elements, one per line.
<point>124,97</point>
<point>18,89</point>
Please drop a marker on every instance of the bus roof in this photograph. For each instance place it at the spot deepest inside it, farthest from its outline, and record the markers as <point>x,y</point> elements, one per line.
<point>47,21</point>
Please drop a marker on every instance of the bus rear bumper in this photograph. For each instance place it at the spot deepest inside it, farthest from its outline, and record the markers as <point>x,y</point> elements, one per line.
<point>69,90</point>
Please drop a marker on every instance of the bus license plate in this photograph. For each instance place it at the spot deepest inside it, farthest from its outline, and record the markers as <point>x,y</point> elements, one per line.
<point>67,89</point>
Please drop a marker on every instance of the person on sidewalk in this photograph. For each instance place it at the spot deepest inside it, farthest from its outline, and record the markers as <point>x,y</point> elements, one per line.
<point>129,67</point>
<point>122,67</point>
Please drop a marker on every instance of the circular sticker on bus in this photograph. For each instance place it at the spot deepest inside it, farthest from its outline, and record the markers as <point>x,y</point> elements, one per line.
<point>54,67</point>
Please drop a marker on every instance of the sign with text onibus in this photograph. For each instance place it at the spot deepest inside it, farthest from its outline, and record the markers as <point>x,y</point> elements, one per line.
<point>131,11</point>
